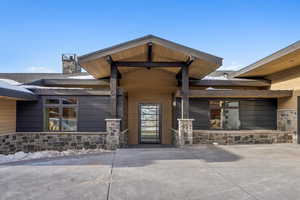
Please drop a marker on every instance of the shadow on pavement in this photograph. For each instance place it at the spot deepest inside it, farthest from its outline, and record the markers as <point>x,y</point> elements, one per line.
<point>137,157</point>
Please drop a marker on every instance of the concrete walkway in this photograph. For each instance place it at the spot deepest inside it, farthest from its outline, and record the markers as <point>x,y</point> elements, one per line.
<point>202,172</point>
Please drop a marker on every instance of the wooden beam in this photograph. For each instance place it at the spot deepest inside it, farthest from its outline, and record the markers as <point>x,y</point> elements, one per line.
<point>113,90</point>
<point>149,53</point>
<point>110,61</point>
<point>189,61</point>
<point>185,92</point>
<point>149,64</point>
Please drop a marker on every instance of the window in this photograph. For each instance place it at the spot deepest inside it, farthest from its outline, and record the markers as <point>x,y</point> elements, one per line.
<point>60,113</point>
<point>224,115</point>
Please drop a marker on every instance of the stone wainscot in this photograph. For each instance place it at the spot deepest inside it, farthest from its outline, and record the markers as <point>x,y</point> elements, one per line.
<point>39,141</point>
<point>242,137</point>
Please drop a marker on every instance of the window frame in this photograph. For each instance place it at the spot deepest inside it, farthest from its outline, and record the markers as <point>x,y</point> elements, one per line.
<point>224,107</point>
<point>60,107</point>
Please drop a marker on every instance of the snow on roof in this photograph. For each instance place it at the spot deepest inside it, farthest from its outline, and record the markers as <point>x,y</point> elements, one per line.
<point>10,81</point>
<point>82,77</point>
<point>211,88</point>
<point>45,87</point>
<point>13,85</point>
<point>215,78</point>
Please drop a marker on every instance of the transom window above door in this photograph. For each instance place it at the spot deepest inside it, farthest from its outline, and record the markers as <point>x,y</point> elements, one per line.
<point>60,114</point>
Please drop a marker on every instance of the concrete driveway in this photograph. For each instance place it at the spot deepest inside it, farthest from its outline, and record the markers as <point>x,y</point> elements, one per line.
<point>201,172</point>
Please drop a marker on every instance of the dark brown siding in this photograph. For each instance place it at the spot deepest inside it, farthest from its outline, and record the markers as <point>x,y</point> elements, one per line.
<point>258,114</point>
<point>199,111</point>
<point>30,116</point>
<point>92,112</point>
<point>254,114</point>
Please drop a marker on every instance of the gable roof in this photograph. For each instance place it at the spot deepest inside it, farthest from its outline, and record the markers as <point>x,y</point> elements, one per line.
<point>163,51</point>
<point>283,59</point>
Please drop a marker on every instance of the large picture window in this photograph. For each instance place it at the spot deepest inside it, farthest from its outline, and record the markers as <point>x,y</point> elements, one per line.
<point>60,113</point>
<point>224,115</point>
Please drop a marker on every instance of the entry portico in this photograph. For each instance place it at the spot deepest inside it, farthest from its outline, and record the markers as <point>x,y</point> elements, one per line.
<point>150,70</point>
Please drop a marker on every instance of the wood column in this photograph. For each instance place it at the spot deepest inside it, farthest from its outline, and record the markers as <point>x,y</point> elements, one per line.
<point>113,90</point>
<point>185,92</point>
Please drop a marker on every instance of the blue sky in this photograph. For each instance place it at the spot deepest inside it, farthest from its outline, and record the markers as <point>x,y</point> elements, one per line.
<point>34,34</point>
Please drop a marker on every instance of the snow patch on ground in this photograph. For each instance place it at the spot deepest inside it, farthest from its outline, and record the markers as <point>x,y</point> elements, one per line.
<point>18,156</point>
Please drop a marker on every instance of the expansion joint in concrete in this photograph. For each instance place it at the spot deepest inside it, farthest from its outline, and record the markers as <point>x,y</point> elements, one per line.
<point>111,176</point>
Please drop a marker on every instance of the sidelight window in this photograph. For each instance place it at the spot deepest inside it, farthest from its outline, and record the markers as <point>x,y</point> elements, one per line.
<point>60,114</point>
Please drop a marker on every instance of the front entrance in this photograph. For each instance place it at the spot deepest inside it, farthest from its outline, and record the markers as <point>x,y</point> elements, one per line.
<point>149,123</point>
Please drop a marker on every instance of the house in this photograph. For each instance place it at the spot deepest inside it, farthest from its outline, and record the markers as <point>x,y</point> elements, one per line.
<point>151,90</point>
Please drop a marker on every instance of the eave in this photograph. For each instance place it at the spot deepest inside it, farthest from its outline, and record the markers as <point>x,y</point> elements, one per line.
<point>17,95</point>
<point>283,59</point>
<point>232,83</point>
<point>74,82</point>
<point>223,93</point>
<point>73,91</point>
<point>134,54</point>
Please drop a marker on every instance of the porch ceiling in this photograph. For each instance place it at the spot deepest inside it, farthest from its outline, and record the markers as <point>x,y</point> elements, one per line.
<point>137,50</point>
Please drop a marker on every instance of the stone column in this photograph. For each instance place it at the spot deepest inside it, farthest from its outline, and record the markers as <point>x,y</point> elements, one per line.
<point>287,121</point>
<point>185,131</point>
<point>113,127</point>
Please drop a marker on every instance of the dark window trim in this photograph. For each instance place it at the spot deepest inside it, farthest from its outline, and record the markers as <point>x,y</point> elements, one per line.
<point>60,107</point>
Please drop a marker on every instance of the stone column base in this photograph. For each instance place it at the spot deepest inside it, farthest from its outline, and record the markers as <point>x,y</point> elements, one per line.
<point>113,132</point>
<point>185,131</point>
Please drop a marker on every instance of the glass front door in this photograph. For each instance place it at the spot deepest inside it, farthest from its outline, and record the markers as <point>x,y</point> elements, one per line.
<point>149,123</point>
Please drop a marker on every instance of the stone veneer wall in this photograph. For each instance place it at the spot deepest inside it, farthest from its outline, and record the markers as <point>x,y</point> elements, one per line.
<point>242,137</point>
<point>287,121</point>
<point>31,142</point>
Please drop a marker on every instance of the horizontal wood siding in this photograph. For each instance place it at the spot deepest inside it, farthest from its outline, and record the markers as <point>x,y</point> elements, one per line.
<point>199,111</point>
<point>255,114</point>
<point>7,116</point>
<point>92,113</point>
<point>258,114</point>
<point>93,110</point>
<point>30,116</point>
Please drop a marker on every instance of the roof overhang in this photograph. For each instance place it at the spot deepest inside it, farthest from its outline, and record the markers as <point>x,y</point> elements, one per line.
<point>223,93</point>
<point>283,59</point>
<point>231,83</point>
<point>73,82</point>
<point>17,95</point>
<point>73,91</point>
<point>138,51</point>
